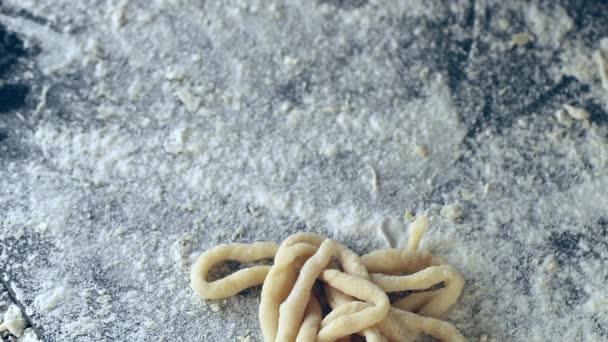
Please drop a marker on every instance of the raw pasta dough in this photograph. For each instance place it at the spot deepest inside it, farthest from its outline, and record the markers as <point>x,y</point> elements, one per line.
<point>354,287</point>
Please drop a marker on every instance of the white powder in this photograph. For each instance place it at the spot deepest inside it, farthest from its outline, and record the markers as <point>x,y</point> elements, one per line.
<point>549,26</point>
<point>49,300</point>
<point>214,126</point>
<point>29,335</point>
<point>452,212</point>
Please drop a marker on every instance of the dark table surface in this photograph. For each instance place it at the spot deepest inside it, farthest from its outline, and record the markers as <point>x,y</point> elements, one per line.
<point>134,135</point>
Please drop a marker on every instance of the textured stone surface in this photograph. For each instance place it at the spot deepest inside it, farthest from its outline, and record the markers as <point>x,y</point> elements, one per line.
<point>136,134</point>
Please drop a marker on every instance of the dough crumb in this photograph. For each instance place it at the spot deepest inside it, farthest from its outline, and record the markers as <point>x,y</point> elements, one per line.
<point>238,232</point>
<point>49,300</point>
<point>42,101</point>
<point>286,107</point>
<point>550,264</point>
<point>521,39</point>
<point>375,185</point>
<point>104,299</point>
<point>422,151</point>
<point>215,307</point>
<point>244,339</point>
<point>424,73</point>
<point>175,74</point>
<point>119,15</point>
<point>563,118</point>
<point>408,215</point>
<point>452,212</point>
<point>253,211</point>
<point>487,188</point>
<point>466,194</point>
<point>135,89</point>
<point>576,113</point>
<point>29,335</point>
<point>602,64</point>
<point>190,101</point>
<point>13,321</point>
<point>291,61</point>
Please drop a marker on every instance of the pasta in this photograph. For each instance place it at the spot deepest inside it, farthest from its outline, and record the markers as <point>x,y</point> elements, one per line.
<point>234,283</point>
<point>355,288</point>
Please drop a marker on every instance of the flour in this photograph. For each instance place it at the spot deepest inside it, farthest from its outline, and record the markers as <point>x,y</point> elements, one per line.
<point>13,321</point>
<point>28,336</point>
<point>452,212</point>
<point>118,14</point>
<point>47,301</point>
<point>549,27</point>
<point>172,126</point>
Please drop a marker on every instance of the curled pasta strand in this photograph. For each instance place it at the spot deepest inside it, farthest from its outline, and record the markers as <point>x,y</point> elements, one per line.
<point>357,321</point>
<point>351,264</point>
<point>436,328</point>
<point>390,327</point>
<point>397,261</point>
<point>427,271</point>
<point>355,289</point>
<point>312,321</point>
<point>336,298</point>
<point>278,284</point>
<point>291,310</point>
<point>414,301</point>
<point>236,282</point>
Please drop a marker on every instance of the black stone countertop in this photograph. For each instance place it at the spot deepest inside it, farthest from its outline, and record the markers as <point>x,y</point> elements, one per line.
<point>135,134</point>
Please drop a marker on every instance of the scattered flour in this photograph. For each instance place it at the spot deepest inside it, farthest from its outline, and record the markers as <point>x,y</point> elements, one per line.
<point>29,335</point>
<point>49,300</point>
<point>207,118</point>
<point>452,212</point>
<point>549,27</point>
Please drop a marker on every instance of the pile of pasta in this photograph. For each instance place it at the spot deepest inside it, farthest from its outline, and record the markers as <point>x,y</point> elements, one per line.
<point>318,290</point>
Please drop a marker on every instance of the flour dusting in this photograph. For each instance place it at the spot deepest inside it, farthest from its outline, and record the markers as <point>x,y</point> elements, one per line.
<point>162,128</point>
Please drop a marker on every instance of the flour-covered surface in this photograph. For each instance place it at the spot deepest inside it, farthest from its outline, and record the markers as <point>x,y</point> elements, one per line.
<point>136,134</point>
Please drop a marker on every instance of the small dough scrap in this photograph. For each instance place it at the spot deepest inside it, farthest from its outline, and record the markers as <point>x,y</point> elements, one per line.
<point>576,113</point>
<point>602,64</point>
<point>13,321</point>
